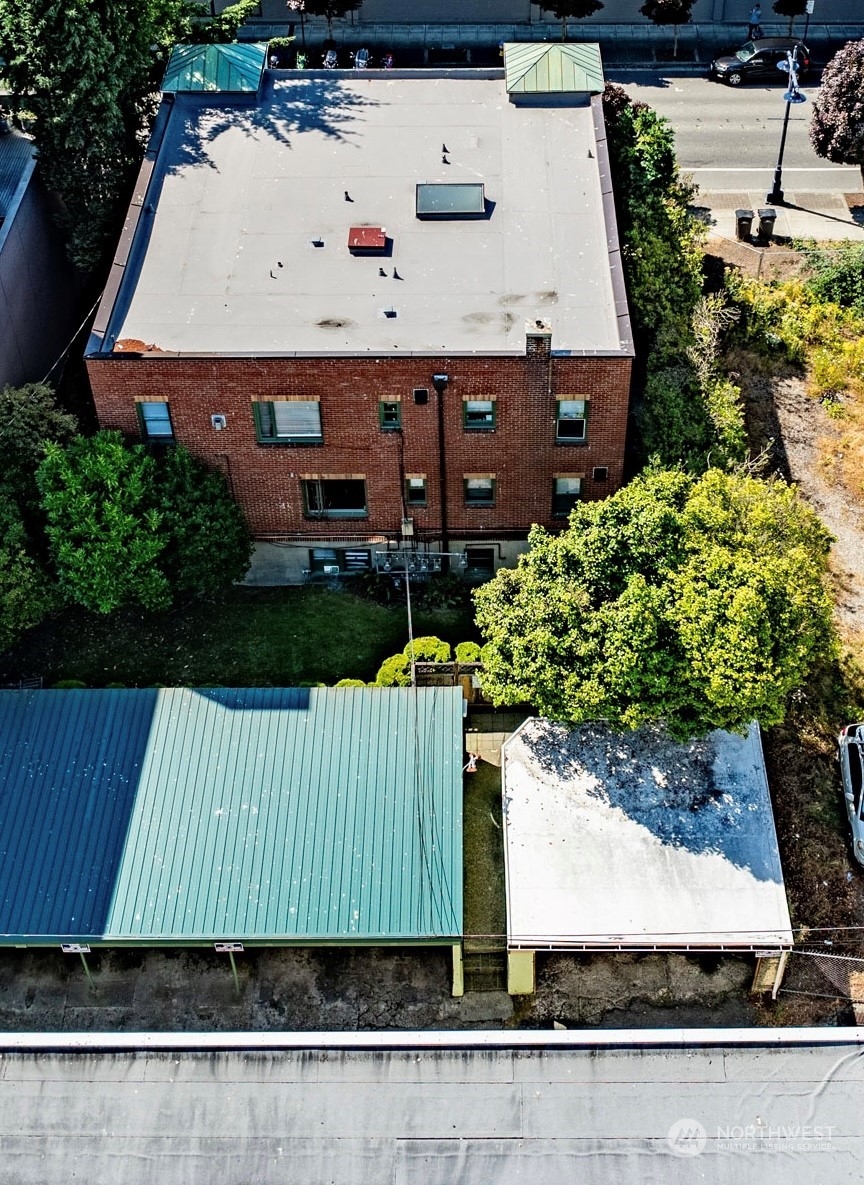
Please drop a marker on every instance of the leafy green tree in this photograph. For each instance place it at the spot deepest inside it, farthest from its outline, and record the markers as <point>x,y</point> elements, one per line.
<point>208,544</point>
<point>331,10</point>
<point>87,72</point>
<point>688,411</point>
<point>790,8</point>
<point>567,10</point>
<point>83,69</point>
<point>224,25</point>
<point>660,237</point>
<point>128,528</point>
<point>837,123</point>
<point>29,418</point>
<point>26,592</point>
<point>668,12</point>
<point>105,534</point>
<point>699,602</point>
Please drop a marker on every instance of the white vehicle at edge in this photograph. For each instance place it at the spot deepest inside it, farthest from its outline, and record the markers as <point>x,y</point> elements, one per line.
<point>851,752</point>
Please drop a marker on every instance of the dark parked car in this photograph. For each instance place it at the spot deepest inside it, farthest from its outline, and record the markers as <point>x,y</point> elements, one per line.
<point>851,743</point>
<point>758,60</point>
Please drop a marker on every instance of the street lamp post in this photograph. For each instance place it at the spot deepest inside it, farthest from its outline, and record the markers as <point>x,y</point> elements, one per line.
<point>791,95</point>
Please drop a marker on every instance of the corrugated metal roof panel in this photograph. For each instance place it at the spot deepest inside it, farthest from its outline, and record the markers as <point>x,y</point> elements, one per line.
<point>327,814</point>
<point>571,67</point>
<point>226,68</point>
<point>16,161</point>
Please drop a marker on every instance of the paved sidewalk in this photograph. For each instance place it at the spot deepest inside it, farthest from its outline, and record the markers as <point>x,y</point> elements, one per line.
<point>820,216</point>
<point>634,46</point>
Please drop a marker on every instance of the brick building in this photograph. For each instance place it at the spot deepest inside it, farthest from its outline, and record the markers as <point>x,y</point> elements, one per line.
<point>389,306</point>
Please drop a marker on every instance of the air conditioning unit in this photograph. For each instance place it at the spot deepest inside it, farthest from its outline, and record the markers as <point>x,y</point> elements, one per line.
<point>407,527</point>
<point>331,569</point>
<point>218,422</point>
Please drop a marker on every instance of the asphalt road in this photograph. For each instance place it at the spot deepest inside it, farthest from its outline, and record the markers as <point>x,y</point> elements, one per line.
<point>729,139</point>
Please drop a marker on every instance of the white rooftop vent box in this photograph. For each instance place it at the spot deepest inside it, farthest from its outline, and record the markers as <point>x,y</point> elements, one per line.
<point>443,200</point>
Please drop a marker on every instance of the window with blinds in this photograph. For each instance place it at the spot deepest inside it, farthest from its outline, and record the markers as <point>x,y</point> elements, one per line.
<point>155,421</point>
<point>288,421</point>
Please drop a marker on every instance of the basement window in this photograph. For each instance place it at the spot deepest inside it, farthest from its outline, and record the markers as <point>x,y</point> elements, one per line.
<point>288,421</point>
<point>334,497</point>
<point>441,200</point>
<point>332,561</point>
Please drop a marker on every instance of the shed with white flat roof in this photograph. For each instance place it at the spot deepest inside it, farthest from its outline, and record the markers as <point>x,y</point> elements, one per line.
<point>635,841</point>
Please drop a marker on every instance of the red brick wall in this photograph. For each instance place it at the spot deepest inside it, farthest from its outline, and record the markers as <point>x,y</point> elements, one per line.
<point>521,452</point>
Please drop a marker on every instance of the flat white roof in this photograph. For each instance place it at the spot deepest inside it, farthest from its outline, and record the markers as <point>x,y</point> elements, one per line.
<point>634,841</point>
<point>224,261</point>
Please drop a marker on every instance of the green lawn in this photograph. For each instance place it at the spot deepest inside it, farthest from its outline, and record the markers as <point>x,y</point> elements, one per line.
<point>254,637</point>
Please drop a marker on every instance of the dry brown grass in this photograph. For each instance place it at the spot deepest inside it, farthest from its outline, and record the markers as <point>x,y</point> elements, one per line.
<point>841,451</point>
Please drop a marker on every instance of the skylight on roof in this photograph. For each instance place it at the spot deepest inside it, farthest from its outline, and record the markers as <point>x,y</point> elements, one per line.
<point>462,200</point>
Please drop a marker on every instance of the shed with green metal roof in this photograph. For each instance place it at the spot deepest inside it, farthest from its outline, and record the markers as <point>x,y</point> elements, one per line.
<point>266,816</point>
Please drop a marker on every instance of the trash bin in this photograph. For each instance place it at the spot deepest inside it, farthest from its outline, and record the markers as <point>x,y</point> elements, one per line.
<point>743,223</point>
<point>767,218</point>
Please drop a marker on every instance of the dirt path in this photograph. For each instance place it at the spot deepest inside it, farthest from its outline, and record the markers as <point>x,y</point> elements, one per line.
<point>798,432</point>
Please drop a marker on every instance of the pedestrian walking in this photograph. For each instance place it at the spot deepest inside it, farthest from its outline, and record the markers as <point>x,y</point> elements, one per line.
<point>754,28</point>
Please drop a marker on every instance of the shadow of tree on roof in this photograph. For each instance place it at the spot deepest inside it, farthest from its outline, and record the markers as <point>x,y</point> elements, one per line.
<point>303,102</point>
<point>669,788</point>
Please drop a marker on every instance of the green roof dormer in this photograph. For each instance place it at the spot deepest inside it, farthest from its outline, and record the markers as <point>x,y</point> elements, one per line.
<point>225,69</point>
<point>538,68</point>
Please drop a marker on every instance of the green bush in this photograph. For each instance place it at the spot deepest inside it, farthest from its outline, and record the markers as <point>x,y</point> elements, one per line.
<point>396,670</point>
<point>428,649</point>
<point>838,274</point>
<point>69,685</point>
<point>350,683</point>
<point>468,652</point>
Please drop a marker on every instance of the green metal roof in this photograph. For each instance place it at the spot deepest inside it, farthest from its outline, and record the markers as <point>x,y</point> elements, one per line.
<point>542,69</point>
<point>227,68</point>
<point>267,814</point>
